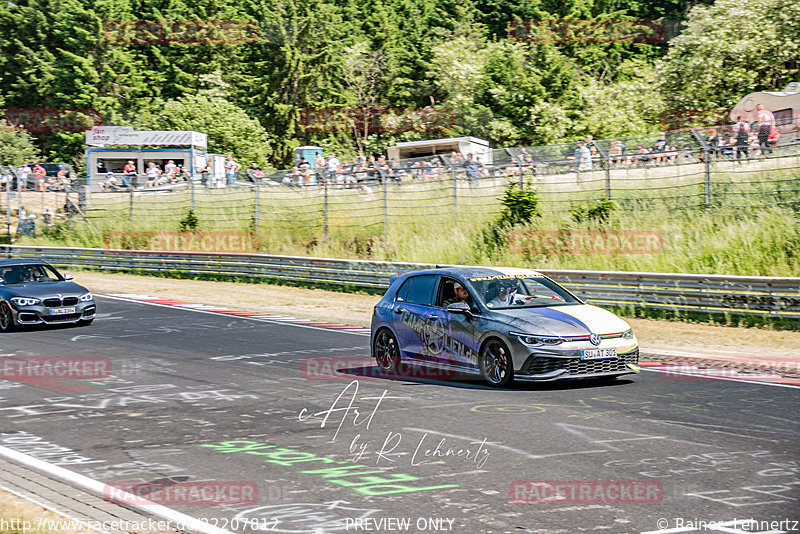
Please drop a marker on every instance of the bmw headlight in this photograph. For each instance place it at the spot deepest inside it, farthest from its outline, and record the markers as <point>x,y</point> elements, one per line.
<point>534,340</point>
<point>25,301</point>
<point>86,298</point>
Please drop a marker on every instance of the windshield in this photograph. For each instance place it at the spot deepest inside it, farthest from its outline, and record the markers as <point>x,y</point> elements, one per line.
<point>520,291</point>
<point>28,274</point>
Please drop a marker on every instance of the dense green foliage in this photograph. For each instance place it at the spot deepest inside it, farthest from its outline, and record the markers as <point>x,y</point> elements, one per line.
<point>249,94</point>
<point>16,146</point>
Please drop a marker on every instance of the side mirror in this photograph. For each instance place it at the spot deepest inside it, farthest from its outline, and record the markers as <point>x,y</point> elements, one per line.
<point>460,307</point>
<point>67,276</point>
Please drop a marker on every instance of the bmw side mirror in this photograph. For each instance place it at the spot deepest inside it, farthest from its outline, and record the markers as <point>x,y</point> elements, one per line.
<point>459,307</point>
<point>67,276</point>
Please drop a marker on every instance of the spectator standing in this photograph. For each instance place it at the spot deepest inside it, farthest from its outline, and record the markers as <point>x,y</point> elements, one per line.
<point>22,177</point>
<point>741,131</point>
<point>583,157</point>
<point>712,141</point>
<point>128,172</point>
<point>472,167</point>
<point>766,124</point>
<point>39,173</point>
<point>333,164</point>
<point>231,168</point>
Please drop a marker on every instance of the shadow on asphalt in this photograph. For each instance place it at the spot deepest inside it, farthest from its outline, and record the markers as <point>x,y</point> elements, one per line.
<point>425,375</point>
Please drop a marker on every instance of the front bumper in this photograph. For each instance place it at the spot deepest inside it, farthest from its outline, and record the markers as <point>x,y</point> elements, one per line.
<point>539,368</point>
<point>564,361</point>
<point>40,314</point>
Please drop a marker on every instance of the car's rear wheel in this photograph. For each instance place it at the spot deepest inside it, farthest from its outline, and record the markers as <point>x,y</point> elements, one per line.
<point>387,353</point>
<point>495,362</point>
<point>6,318</point>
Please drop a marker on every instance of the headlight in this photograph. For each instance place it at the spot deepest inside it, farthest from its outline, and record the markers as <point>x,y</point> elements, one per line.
<point>24,301</point>
<point>627,334</point>
<point>538,341</point>
<point>86,298</point>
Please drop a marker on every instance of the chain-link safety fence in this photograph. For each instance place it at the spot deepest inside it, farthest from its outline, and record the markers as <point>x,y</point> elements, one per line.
<point>686,172</point>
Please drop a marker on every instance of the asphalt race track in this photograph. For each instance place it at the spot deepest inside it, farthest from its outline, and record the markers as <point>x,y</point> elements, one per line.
<point>255,407</point>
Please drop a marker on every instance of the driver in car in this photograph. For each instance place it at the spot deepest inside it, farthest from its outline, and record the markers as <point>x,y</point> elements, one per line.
<point>461,295</point>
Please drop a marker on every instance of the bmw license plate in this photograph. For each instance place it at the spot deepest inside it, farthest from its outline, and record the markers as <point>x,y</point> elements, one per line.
<point>598,354</point>
<point>62,311</point>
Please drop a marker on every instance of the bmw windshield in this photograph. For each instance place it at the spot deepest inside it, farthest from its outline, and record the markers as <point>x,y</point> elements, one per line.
<point>28,274</point>
<point>520,291</point>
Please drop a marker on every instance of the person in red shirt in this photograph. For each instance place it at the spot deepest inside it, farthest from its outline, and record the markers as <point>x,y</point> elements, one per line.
<point>39,173</point>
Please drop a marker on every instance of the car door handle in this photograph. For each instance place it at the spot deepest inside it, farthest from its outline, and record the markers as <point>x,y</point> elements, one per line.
<point>399,310</point>
<point>431,317</point>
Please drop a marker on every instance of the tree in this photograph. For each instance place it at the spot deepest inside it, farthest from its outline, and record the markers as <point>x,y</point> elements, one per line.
<point>16,146</point>
<point>230,129</point>
<point>361,70</point>
<point>630,106</point>
<point>730,49</point>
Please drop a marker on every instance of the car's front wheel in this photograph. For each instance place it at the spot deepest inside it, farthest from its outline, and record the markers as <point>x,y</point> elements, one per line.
<point>6,318</point>
<point>85,322</point>
<point>387,353</point>
<point>496,366</point>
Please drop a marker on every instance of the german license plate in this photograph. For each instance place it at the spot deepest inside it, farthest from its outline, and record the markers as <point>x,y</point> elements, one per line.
<point>62,311</point>
<point>598,354</point>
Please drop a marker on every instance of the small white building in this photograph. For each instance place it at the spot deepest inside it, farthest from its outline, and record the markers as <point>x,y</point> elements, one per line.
<point>431,147</point>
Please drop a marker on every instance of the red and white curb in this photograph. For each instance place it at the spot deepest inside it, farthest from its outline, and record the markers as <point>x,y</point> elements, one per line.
<point>238,313</point>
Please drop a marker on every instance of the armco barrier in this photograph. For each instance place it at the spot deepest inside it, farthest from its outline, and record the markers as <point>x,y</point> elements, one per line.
<point>777,297</point>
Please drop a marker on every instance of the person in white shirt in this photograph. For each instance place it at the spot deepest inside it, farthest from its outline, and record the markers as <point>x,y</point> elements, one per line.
<point>332,166</point>
<point>231,168</point>
<point>22,177</point>
<point>153,175</point>
<point>766,121</point>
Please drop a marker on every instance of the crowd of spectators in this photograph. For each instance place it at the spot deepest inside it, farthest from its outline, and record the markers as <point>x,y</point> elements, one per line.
<point>34,177</point>
<point>154,176</point>
<point>745,140</point>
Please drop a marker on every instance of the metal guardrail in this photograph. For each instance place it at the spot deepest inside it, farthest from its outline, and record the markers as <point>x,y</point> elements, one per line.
<point>777,297</point>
